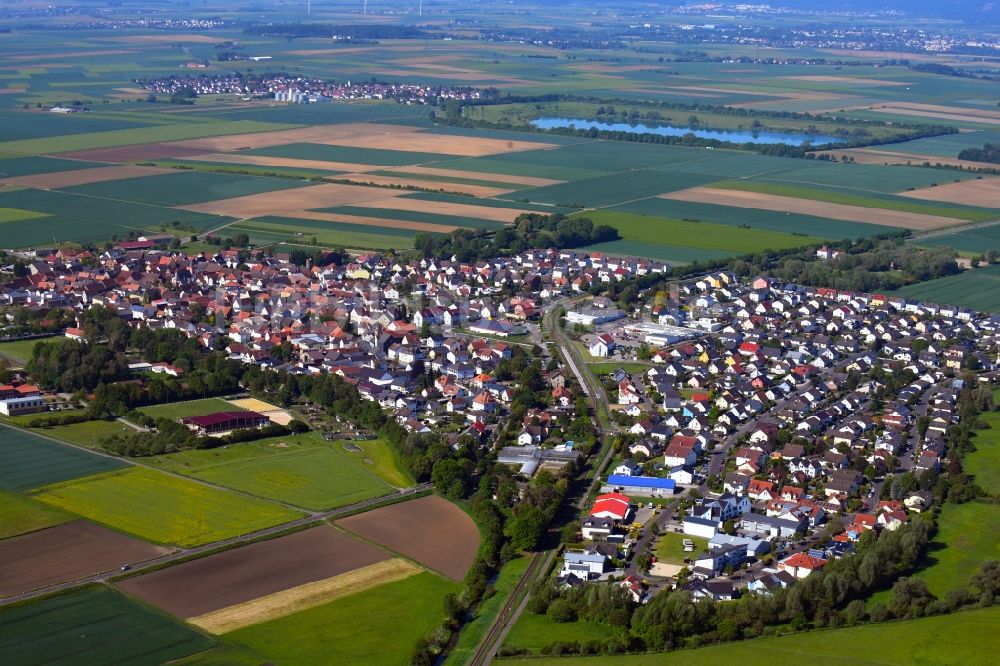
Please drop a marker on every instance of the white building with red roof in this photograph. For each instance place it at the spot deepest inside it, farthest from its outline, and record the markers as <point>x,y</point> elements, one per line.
<point>611,505</point>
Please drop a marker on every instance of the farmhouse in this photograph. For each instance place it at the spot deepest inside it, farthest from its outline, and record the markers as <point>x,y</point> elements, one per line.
<point>213,424</point>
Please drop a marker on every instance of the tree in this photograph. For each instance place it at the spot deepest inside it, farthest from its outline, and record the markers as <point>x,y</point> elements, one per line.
<point>450,478</point>
<point>561,611</point>
<point>527,527</point>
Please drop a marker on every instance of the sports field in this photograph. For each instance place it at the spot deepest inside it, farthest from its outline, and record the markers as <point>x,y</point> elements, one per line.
<point>935,640</point>
<point>95,625</point>
<point>177,410</point>
<point>303,470</point>
<point>376,627</point>
<point>88,433</point>
<point>162,508</point>
<point>28,461</point>
<point>978,288</point>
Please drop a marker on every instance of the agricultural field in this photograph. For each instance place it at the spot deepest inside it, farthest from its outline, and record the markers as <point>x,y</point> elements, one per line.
<point>973,239</point>
<point>19,351</point>
<point>984,463</point>
<point>94,625</point>
<point>162,508</point>
<point>356,628</point>
<point>533,632</point>
<point>29,461</point>
<point>22,514</point>
<point>67,552</point>
<point>431,531</point>
<point>269,229</point>
<point>88,433</point>
<point>242,574</point>
<point>303,470</point>
<point>977,288</point>
<point>966,538</point>
<point>933,640</point>
<point>670,240</point>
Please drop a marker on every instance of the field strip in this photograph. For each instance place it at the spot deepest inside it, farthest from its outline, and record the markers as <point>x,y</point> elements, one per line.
<point>304,597</point>
<point>505,215</point>
<point>876,156</point>
<point>389,181</point>
<point>284,202</point>
<point>372,224</point>
<point>290,162</point>
<point>856,80</point>
<point>475,175</point>
<point>833,211</point>
<point>984,192</point>
<point>57,179</point>
<point>310,134</point>
<point>441,144</point>
<point>955,113</point>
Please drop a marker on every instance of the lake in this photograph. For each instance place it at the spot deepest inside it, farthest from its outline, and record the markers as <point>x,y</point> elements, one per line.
<point>734,136</point>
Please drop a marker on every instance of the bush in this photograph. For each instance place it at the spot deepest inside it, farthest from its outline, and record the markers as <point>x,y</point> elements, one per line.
<point>561,611</point>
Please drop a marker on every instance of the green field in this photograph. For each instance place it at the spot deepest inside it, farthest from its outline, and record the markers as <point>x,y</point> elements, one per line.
<point>533,632</point>
<point>670,547</point>
<point>385,462</point>
<point>347,154</point>
<point>80,218</point>
<point>177,410</point>
<point>20,515</point>
<point>418,216</point>
<point>475,630</point>
<point>136,135</point>
<point>183,188</point>
<point>959,639</point>
<point>984,463</point>
<point>16,215</point>
<point>94,625</point>
<point>966,538</point>
<point>269,230</point>
<point>377,627</point>
<point>978,288</point>
<point>30,166</point>
<point>88,433</point>
<point>303,470</point>
<point>19,350</point>
<point>27,461</point>
<point>661,235</point>
<point>163,508</point>
<point>975,240</point>
<point>853,198</point>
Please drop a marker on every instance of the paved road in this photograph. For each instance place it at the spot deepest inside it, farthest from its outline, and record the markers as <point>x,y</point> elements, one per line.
<point>225,543</point>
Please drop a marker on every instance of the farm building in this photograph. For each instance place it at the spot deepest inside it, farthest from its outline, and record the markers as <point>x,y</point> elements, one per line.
<point>212,424</point>
<point>640,485</point>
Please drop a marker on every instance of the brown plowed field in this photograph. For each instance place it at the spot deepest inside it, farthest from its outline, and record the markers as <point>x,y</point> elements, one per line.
<point>985,193</point>
<point>57,179</point>
<point>876,156</point>
<point>429,530</point>
<point>442,144</point>
<point>148,151</point>
<point>505,215</point>
<point>241,574</point>
<point>741,199</point>
<point>66,552</point>
<point>311,134</point>
<point>286,202</point>
<point>401,181</point>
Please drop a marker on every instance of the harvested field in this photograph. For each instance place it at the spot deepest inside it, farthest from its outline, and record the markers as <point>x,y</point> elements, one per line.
<point>57,179</point>
<point>961,114</point>
<point>421,142</point>
<point>375,223</point>
<point>429,530</point>
<point>235,576</point>
<point>311,134</point>
<point>876,156</point>
<point>985,193</point>
<point>165,39</point>
<point>282,202</point>
<point>304,597</point>
<point>66,552</point>
<point>147,151</point>
<point>389,181</point>
<point>833,211</point>
<point>474,175</point>
<point>289,162</point>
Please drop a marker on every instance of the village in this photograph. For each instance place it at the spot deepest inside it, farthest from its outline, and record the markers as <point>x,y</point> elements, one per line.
<point>758,429</point>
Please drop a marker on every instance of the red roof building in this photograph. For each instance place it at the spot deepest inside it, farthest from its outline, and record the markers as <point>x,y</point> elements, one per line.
<point>611,505</point>
<point>225,421</point>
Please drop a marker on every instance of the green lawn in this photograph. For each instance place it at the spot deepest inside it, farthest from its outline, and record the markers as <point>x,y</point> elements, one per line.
<point>20,515</point>
<point>962,639</point>
<point>533,632</point>
<point>163,508</point>
<point>27,461</point>
<point>19,350</point>
<point>966,537</point>
<point>303,470</point>
<point>384,461</point>
<point>88,433</point>
<point>377,627</point>
<point>94,625</point>
<point>475,630</point>
<point>177,410</point>
<point>984,463</point>
<point>670,547</point>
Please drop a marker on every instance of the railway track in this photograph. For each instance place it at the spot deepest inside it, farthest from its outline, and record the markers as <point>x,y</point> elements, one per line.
<point>487,648</point>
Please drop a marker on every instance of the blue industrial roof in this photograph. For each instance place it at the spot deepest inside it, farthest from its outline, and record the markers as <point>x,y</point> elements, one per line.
<point>640,481</point>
